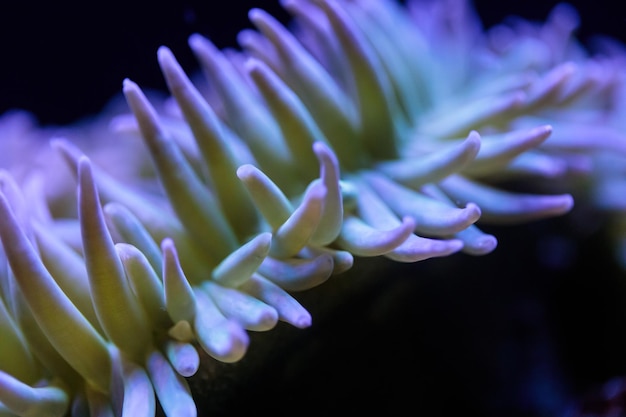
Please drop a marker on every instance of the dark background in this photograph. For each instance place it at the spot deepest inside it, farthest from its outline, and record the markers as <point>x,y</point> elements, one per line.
<point>512,334</point>
<point>63,61</point>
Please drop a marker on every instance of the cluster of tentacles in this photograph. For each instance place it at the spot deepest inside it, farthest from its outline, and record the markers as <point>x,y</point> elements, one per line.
<point>354,133</point>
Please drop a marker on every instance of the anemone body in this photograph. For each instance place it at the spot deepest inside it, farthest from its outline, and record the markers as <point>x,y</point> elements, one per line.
<point>364,129</point>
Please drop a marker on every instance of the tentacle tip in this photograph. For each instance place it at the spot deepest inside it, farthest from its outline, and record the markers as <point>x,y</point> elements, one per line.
<point>265,237</point>
<point>268,320</point>
<point>231,354</point>
<point>343,263</point>
<point>474,136</point>
<point>84,168</point>
<point>58,141</point>
<point>230,342</point>
<point>254,66</point>
<point>472,211</point>
<point>245,171</point>
<point>567,203</point>
<point>83,160</point>
<point>128,85</point>
<point>303,322</point>
<point>165,55</point>
<point>320,147</point>
<point>187,370</point>
<point>482,246</point>
<point>325,154</point>
<point>167,244</point>
<point>255,14</point>
<point>196,41</point>
<point>186,361</point>
<point>163,50</point>
<point>408,222</point>
<point>546,129</point>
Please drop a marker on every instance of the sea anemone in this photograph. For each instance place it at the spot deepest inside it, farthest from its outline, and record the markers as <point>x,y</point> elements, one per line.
<point>367,129</point>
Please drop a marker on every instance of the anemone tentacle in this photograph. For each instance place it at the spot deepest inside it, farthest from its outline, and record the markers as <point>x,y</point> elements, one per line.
<point>366,129</point>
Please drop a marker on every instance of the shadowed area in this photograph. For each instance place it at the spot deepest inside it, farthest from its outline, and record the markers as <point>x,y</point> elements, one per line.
<point>530,330</point>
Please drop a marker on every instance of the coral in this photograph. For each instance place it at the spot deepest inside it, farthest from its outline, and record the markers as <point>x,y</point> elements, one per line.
<point>366,129</point>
